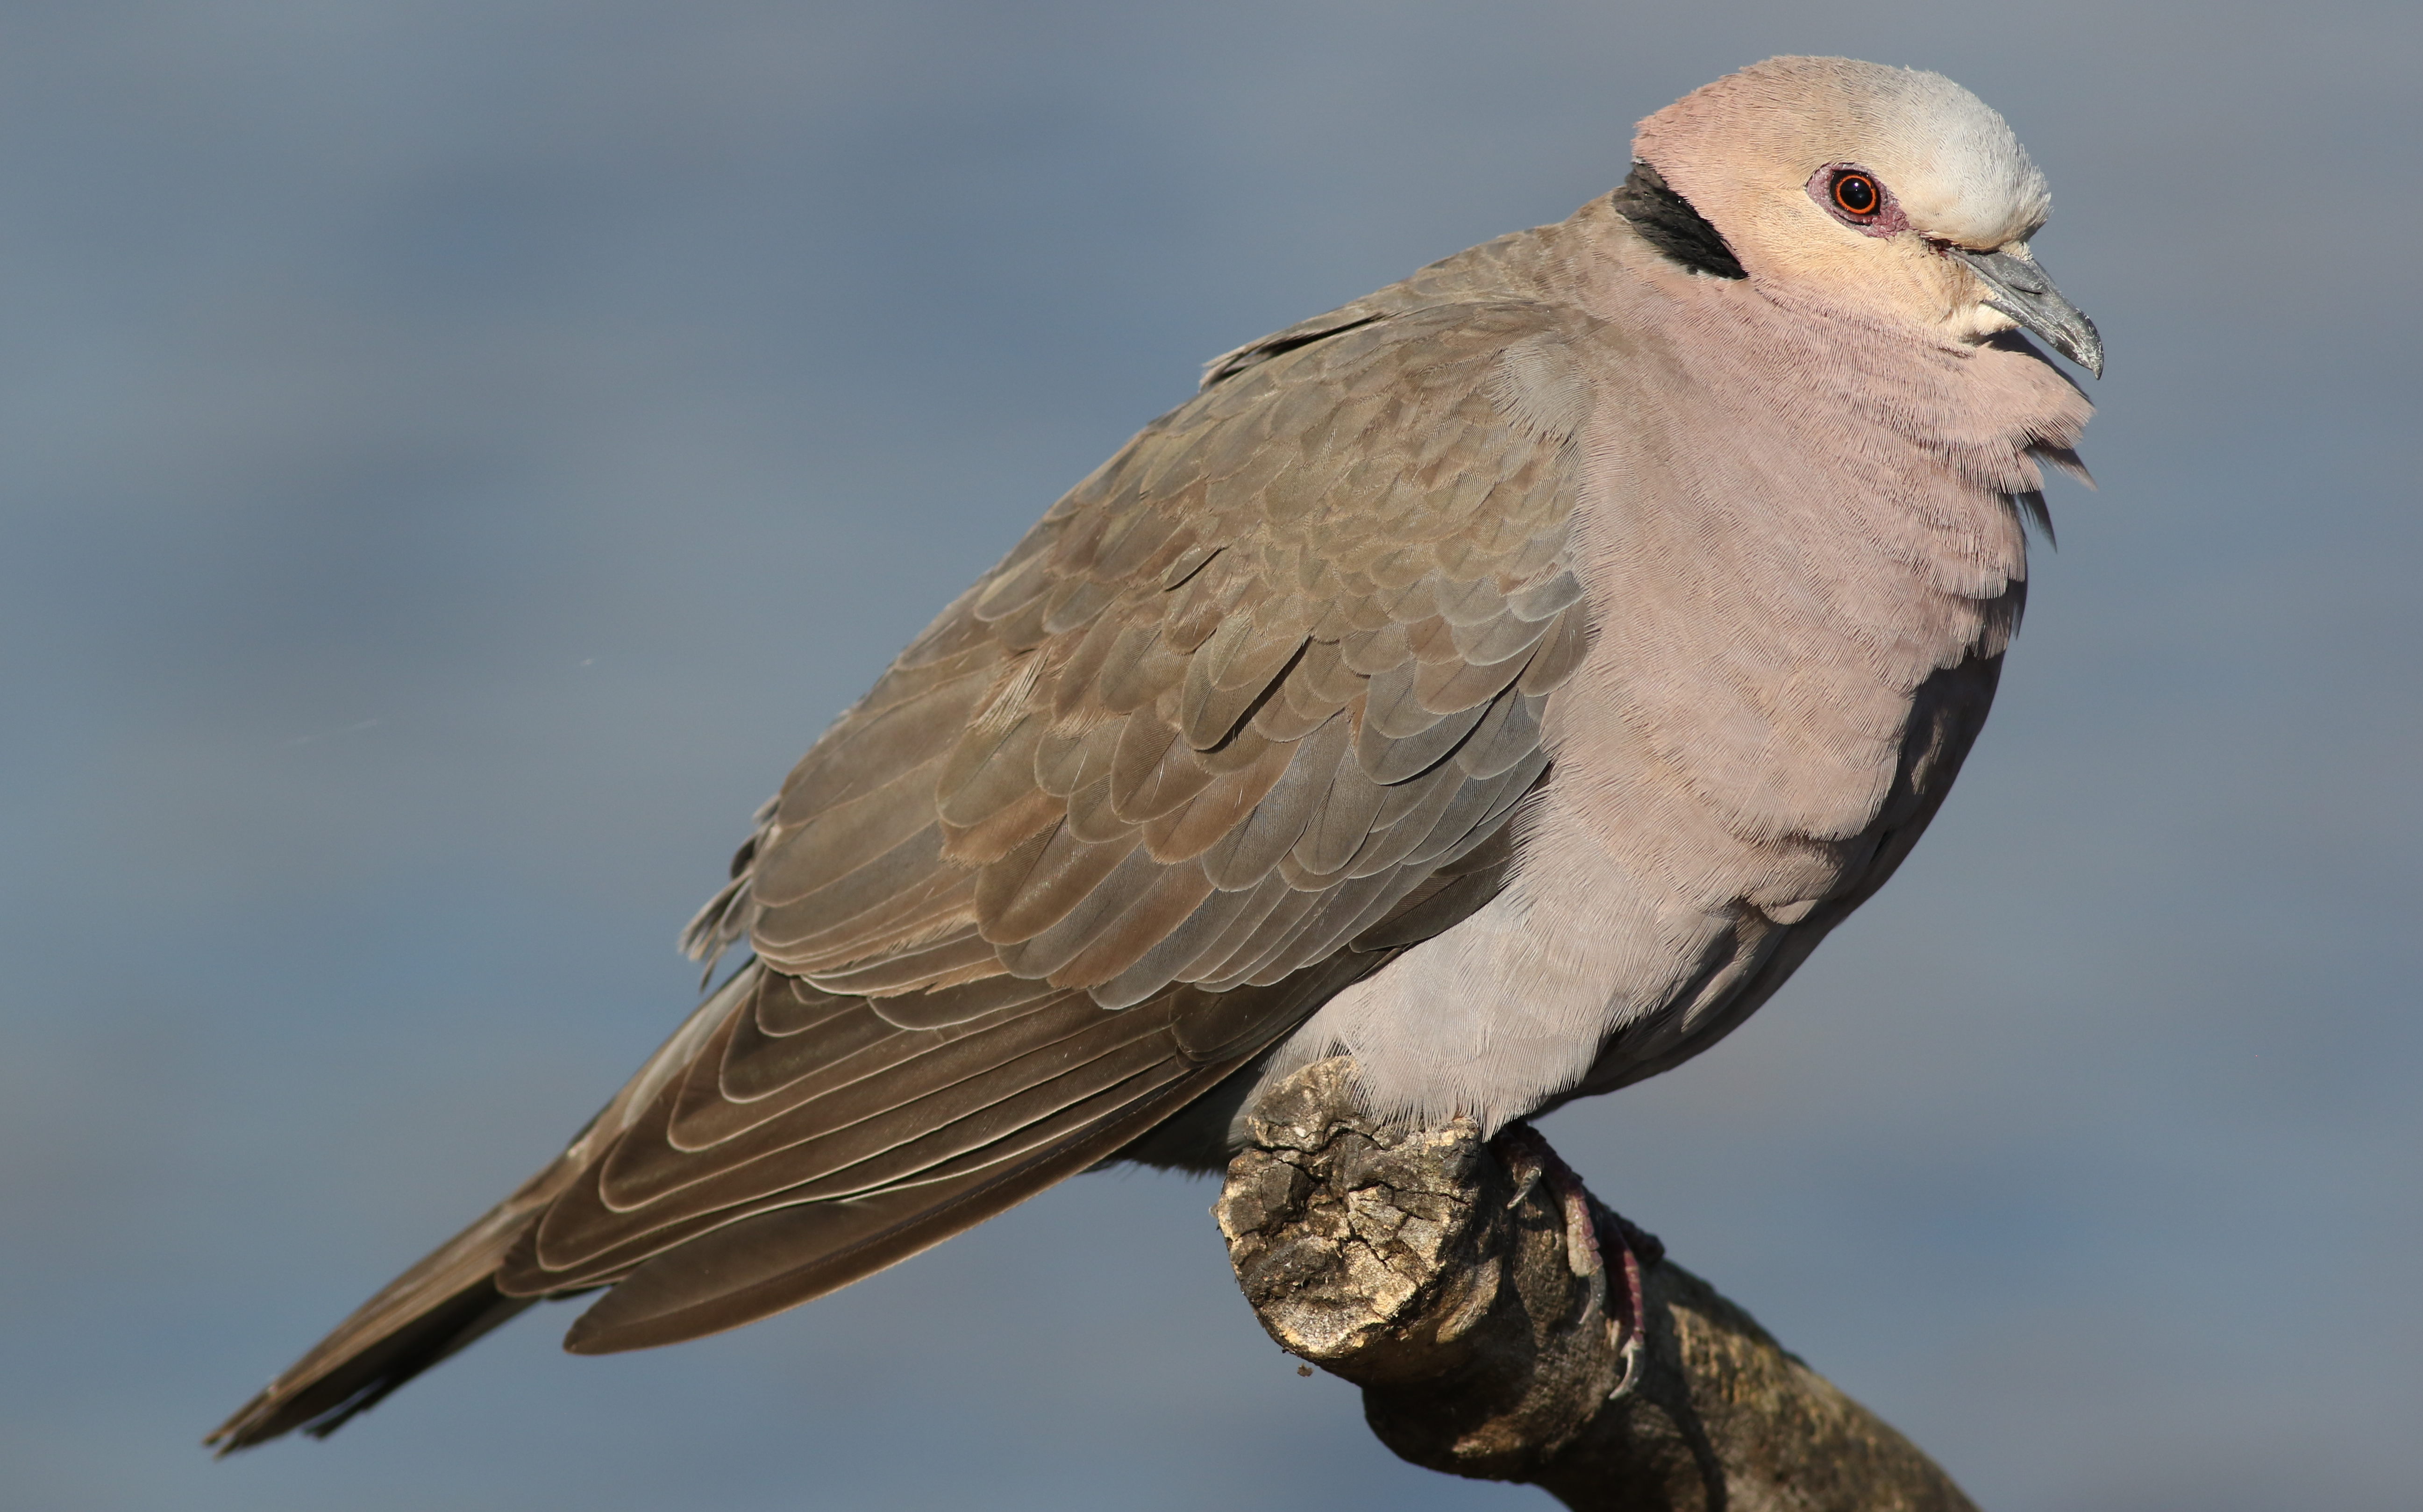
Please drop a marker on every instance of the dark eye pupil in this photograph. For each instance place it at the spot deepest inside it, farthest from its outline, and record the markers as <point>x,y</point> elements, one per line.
<point>1855,193</point>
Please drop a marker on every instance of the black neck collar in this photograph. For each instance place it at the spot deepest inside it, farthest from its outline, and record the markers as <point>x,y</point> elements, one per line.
<point>1667,222</point>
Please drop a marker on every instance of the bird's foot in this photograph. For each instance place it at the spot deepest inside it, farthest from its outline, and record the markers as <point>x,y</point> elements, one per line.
<point>1590,1227</point>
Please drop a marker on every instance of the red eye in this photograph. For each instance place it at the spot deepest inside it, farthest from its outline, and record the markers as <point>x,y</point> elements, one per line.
<point>1858,193</point>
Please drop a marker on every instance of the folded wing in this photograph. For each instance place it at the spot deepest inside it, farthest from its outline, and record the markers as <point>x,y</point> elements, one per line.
<point>1245,714</point>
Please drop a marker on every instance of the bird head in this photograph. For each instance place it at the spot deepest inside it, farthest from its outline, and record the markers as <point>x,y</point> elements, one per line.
<point>1887,190</point>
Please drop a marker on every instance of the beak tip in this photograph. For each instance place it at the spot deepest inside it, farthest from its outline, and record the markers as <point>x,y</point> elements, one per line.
<point>2088,345</point>
<point>2088,353</point>
<point>2017,287</point>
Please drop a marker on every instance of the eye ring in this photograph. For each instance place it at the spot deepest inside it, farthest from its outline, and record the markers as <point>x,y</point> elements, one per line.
<point>1857,195</point>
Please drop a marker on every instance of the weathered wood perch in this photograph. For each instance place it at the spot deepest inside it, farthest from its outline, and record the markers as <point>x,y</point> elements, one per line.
<point>1505,1326</point>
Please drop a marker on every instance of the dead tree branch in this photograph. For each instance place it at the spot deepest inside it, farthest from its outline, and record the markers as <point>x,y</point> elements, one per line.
<point>1505,1326</point>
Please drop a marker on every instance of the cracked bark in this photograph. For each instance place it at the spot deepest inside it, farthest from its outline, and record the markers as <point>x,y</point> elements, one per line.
<point>1505,1326</point>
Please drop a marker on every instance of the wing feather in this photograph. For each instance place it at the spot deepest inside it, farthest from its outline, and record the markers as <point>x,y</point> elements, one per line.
<point>1243,715</point>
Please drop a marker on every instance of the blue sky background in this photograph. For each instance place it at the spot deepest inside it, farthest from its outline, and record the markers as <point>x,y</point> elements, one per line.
<point>455,457</point>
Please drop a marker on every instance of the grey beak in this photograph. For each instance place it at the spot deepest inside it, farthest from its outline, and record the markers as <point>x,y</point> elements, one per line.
<point>2024,292</point>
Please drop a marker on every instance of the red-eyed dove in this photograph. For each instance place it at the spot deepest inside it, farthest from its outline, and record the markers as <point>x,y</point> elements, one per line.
<point>1505,679</point>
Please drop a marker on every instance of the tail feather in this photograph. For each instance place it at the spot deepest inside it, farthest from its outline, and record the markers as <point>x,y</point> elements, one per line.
<point>321,1400</point>
<point>450,1298</point>
<point>423,1315</point>
<point>754,1260</point>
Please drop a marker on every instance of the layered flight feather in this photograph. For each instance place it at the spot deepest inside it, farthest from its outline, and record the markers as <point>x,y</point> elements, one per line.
<point>1246,714</point>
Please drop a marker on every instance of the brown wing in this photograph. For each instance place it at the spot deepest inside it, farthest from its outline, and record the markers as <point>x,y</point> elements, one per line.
<point>1226,673</point>
<point>1245,713</point>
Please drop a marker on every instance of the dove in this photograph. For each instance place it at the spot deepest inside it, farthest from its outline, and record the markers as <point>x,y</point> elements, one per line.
<point>1504,680</point>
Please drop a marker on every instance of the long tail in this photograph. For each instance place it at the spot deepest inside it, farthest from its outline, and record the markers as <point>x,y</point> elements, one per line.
<point>971,1122</point>
<point>450,1298</point>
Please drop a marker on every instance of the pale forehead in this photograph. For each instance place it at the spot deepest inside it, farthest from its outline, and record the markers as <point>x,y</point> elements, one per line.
<point>1954,157</point>
<point>1947,156</point>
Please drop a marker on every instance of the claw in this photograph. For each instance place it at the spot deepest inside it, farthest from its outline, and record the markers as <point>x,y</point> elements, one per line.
<point>1626,1330</point>
<point>1532,1162</point>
